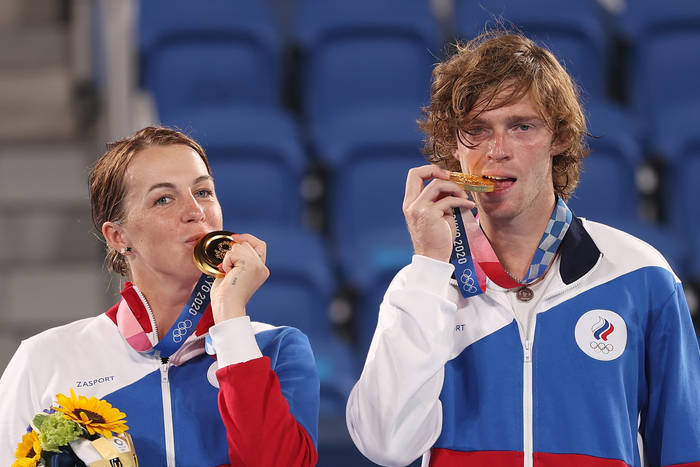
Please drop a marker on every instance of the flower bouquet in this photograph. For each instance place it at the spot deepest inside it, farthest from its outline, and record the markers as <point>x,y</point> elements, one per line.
<point>78,432</point>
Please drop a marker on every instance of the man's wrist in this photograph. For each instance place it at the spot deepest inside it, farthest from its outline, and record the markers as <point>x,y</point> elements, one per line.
<point>429,274</point>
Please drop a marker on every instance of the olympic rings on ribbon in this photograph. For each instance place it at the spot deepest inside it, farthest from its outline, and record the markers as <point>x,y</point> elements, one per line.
<point>181,330</point>
<point>467,280</point>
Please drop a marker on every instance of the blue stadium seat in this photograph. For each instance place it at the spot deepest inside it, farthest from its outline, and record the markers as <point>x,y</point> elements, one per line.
<point>573,31</point>
<point>298,293</point>
<point>257,160</point>
<point>678,140</point>
<point>607,190</point>
<point>664,38</point>
<point>201,55</point>
<point>368,155</point>
<point>371,271</point>
<point>364,53</point>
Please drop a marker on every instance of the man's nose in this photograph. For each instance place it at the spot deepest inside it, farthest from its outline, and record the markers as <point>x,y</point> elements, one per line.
<point>498,148</point>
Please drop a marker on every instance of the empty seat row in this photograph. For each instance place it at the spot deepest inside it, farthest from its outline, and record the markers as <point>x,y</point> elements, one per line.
<point>364,53</point>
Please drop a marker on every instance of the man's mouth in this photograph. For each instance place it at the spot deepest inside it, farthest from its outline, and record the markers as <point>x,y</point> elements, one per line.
<point>498,179</point>
<point>500,182</point>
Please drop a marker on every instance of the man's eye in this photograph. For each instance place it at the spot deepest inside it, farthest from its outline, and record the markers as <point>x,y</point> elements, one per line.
<point>474,131</point>
<point>204,193</point>
<point>162,200</point>
<point>524,127</point>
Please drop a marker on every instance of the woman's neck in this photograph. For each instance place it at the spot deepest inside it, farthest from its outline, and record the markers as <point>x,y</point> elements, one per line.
<point>165,296</point>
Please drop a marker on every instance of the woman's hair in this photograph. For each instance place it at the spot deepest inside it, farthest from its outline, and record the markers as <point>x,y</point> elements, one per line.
<point>108,187</point>
<point>499,61</point>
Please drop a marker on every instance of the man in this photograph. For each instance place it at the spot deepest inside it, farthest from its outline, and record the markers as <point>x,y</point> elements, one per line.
<point>550,340</point>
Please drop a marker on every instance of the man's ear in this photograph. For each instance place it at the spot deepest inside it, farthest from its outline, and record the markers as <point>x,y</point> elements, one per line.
<point>558,147</point>
<point>114,235</point>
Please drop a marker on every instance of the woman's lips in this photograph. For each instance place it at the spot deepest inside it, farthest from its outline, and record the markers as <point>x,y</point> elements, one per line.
<point>192,240</point>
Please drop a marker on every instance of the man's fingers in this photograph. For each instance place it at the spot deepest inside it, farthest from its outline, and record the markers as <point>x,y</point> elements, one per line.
<point>438,189</point>
<point>416,178</point>
<point>448,203</point>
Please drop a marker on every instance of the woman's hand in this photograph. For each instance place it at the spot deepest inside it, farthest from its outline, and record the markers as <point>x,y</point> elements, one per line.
<point>245,269</point>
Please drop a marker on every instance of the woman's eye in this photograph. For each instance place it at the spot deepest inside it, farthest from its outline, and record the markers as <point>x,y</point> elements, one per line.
<point>162,200</point>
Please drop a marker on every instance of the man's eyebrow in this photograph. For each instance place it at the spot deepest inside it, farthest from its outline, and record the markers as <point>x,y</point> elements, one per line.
<point>524,118</point>
<point>510,119</point>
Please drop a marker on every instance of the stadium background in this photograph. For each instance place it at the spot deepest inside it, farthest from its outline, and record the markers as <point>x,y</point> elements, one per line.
<point>307,110</point>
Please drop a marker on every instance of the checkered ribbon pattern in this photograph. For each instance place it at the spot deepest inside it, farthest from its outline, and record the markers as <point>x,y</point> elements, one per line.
<point>477,260</point>
<point>553,234</point>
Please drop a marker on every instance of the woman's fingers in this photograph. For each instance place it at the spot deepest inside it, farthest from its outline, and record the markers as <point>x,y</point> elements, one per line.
<point>240,252</point>
<point>259,246</point>
<point>245,273</point>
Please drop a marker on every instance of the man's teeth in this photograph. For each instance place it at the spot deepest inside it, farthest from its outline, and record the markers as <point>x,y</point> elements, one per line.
<point>491,177</point>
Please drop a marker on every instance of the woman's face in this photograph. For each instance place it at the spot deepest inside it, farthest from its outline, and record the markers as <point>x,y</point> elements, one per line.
<point>170,203</point>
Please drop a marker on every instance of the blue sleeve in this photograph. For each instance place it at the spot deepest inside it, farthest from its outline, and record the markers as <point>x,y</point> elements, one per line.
<point>295,366</point>
<point>671,422</point>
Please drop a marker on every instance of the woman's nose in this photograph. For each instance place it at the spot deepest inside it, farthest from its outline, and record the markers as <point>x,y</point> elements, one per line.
<point>194,212</point>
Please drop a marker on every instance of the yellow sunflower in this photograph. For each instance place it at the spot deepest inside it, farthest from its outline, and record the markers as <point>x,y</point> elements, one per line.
<point>97,416</point>
<point>28,451</point>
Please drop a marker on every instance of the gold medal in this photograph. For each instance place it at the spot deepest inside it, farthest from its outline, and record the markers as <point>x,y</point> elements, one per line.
<point>210,250</point>
<point>472,182</point>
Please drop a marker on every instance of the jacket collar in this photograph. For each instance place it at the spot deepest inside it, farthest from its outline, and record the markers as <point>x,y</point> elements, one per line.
<point>579,252</point>
<point>138,308</point>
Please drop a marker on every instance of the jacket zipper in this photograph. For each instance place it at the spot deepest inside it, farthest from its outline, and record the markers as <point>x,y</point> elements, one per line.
<point>527,402</point>
<point>167,413</point>
<point>527,335</point>
<point>149,312</point>
<point>164,390</point>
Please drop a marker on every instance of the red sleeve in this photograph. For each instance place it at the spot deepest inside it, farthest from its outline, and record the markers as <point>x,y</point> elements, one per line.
<point>260,429</point>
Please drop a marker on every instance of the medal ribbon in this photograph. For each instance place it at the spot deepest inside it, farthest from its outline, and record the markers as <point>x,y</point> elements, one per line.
<point>474,259</point>
<point>183,327</point>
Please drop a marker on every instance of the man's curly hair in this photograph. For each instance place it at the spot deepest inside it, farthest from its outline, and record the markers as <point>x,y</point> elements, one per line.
<point>499,61</point>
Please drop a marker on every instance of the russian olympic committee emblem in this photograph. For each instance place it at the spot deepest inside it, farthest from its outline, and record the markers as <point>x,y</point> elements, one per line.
<point>601,334</point>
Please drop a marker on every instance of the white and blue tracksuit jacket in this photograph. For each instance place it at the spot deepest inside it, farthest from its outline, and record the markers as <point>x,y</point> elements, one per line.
<point>608,373</point>
<point>257,405</point>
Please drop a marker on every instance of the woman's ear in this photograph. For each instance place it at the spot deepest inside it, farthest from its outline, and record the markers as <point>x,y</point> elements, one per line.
<point>114,236</point>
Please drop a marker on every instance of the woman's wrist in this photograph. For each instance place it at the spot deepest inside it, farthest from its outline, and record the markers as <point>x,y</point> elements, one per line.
<point>227,310</point>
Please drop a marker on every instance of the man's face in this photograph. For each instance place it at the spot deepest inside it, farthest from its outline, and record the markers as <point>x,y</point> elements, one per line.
<point>514,148</point>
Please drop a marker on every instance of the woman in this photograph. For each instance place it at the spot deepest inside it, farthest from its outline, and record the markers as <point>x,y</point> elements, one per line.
<point>153,198</point>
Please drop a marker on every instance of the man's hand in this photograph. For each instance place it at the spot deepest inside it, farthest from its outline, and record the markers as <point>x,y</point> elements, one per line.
<point>428,210</point>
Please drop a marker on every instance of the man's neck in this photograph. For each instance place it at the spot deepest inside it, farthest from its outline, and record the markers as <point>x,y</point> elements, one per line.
<point>166,297</point>
<point>515,240</point>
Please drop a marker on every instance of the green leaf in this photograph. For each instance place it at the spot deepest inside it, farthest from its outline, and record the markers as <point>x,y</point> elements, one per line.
<point>38,420</point>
